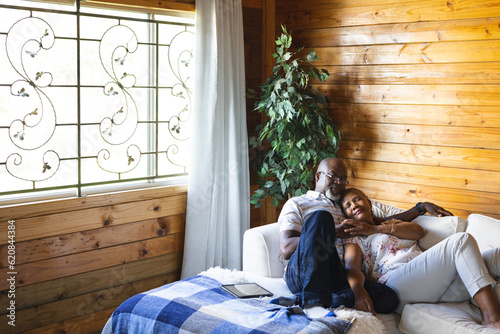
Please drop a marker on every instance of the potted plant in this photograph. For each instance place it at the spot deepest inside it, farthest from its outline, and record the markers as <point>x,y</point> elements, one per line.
<point>297,132</point>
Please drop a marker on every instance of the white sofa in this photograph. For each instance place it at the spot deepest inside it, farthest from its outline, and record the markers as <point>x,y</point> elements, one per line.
<point>261,256</point>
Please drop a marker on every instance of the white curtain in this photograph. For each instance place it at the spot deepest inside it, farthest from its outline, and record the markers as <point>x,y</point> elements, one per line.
<point>218,209</point>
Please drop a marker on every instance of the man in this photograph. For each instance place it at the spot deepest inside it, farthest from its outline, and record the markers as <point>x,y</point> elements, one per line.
<point>310,233</point>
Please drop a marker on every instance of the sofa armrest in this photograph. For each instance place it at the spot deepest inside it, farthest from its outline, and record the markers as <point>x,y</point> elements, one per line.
<point>261,253</point>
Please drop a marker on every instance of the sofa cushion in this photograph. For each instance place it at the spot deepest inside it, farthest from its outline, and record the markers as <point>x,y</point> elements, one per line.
<point>438,228</point>
<point>455,318</point>
<point>383,210</point>
<point>485,230</point>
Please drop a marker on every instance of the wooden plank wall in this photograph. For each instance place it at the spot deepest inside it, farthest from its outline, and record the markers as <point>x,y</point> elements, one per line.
<point>258,21</point>
<point>415,91</point>
<point>76,260</point>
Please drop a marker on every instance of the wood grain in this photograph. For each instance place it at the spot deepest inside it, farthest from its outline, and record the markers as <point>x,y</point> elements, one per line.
<point>475,201</point>
<point>89,323</point>
<point>422,135</point>
<point>414,89</point>
<point>79,284</point>
<point>252,3</point>
<point>87,219</point>
<point>91,201</point>
<point>456,212</point>
<point>410,53</point>
<point>456,157</point>
<point>478,180</point>
<point>477,95</point>
<point>441,115</point>
<point>45,270</point>
<point>306,5</point>
<point>176,5</point>
<point>81,305</point>
<point>416,32</point>
<point>421,74</point>
<point>385,12</point>
<point>66,244</point>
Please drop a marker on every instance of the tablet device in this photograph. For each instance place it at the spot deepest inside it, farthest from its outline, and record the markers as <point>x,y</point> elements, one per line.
<point>246,290</point>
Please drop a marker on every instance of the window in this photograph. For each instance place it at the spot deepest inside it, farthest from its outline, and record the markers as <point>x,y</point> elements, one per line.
<point>91,98</point>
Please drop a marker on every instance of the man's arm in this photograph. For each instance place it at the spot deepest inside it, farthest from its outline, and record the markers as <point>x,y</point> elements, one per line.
<point>289,239</point>
<point>426,207</point>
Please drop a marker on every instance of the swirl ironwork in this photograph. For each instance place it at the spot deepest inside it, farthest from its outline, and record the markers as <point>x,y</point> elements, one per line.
<point>180,61</point>
<point>25,40</point>
<point>118,43</point>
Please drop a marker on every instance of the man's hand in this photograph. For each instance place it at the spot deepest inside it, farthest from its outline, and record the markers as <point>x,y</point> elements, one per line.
<point>434,209</point>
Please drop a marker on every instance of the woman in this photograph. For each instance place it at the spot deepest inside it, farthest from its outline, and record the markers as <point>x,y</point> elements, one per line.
<point>387,252</point>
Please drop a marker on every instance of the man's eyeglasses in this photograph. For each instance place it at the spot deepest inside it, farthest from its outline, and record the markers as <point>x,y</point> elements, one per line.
<point>336,179</point>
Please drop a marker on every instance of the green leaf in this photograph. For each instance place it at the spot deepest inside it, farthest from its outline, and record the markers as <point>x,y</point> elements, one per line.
<point>311,56</point>
<point>300,142</point>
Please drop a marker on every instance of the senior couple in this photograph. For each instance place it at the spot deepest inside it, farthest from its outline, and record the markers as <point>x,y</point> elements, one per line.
<point>341,254</point>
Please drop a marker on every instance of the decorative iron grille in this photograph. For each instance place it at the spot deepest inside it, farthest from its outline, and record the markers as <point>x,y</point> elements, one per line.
<point>91,98</point>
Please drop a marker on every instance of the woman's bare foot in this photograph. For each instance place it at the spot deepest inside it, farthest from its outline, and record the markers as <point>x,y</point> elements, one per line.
<point>489,307</point>
<point>494,325</point>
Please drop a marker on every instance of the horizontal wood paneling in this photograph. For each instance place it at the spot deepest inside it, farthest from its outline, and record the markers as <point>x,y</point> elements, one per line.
<point>465,158</point>
<point>381,12</point>
<point>62,266</point>
<point>412,53</point>
<point>478,202</point>
<point>452,115</point>
<point>456,212</point>
<point>175,5</point>
<point>91,201</point>
<point>40,249</point>
<point>71,268</point>
<point>82,305</point>
<point>90,323</point>
<point>414,90</point>
<point>418,32</point>
<point>421,74</point>
<point>75,285</point>
<point>478,180</point>
<point>421,134</point>
<point>252,3</point>
<point>56,224</point>
<point>479,95</point>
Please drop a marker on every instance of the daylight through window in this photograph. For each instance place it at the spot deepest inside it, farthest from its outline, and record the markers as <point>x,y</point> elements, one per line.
<point>91,98</point>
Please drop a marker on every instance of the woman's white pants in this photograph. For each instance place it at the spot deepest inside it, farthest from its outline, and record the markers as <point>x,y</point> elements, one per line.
<point>452,271</point>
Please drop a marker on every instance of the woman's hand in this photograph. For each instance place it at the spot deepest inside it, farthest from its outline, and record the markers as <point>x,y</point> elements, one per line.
<point>362,301</point>
<point>358,227</point>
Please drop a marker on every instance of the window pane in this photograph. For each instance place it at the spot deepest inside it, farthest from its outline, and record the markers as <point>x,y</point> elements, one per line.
<point>106,101</point>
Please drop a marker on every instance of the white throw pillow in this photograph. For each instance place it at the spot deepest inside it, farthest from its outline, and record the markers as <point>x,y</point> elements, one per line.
<point>485,230</point>
<point>438,228</point>
<point>383,210</point>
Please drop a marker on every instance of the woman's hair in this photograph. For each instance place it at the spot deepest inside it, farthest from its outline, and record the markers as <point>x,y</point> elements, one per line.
<point>349,190</point>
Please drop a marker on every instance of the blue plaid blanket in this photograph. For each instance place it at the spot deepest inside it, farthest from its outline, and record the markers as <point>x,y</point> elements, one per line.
<point>199,305</point>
